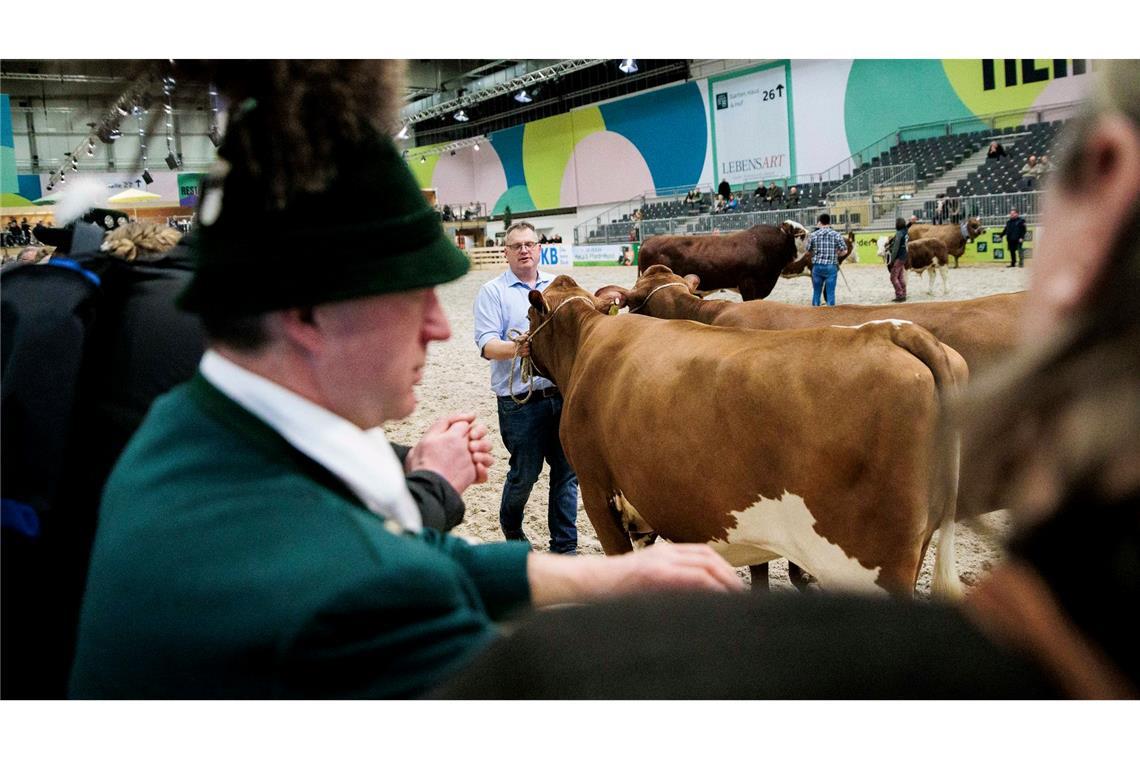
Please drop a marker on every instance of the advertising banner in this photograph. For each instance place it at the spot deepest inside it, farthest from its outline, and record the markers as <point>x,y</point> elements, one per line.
<point>618,254</point>
<point>750,126</point>
<point>188,188</point>
<point>985,249</point>
<point>556,255</point>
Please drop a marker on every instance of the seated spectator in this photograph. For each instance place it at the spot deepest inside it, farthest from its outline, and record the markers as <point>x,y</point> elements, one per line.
<point>760,191</point>
<point>997,150</point>
<point>775,193</point>
<point>732,204</point>
<point>1032,168</point>
<point>794,195</point>
<point>718,205</point>
<point>1045,164</point>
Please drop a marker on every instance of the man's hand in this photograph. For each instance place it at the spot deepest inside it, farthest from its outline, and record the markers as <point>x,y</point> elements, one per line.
<point>455,448</point>
<point>661,567</point>
<point>506,349</point>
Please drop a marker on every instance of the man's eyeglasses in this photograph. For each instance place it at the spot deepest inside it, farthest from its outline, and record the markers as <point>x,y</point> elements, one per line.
<point>516,247</point>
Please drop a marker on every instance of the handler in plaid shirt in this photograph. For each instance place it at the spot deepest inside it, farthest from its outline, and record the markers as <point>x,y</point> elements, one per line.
<point>825,245</point>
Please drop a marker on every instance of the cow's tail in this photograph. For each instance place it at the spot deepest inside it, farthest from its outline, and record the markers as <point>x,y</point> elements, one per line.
<point>950,373</point>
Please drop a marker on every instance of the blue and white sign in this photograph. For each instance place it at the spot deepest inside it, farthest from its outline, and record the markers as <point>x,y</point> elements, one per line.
<point>556,255</point>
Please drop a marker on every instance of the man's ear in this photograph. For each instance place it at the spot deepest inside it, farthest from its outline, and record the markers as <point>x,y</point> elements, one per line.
<point>300,327</point>
<point>1110,165</point>
<point>693,282</point>
<point>538,302</point>
<point>1106,190</point>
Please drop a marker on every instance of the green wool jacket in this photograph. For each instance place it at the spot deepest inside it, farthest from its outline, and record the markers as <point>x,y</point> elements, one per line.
<point>228,564</point>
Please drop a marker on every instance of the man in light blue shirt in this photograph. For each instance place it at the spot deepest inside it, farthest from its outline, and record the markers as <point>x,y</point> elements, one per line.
<point>530,429</point>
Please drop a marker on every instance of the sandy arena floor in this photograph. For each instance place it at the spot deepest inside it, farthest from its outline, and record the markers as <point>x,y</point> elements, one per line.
<point>457,379</point>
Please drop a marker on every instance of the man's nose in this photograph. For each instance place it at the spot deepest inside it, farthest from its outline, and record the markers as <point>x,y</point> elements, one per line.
<point>436,326</point>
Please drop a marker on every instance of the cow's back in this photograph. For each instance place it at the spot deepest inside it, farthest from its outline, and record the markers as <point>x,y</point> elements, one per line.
<point>983,330</point>
<point>949,234</point>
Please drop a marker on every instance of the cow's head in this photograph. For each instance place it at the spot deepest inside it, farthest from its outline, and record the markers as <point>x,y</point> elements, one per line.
<point>974,227</point>
<point>884,243</point>
<point>799,234</point>
<point>562,300</point>
<point>657,282</point>
<point>852,250</point>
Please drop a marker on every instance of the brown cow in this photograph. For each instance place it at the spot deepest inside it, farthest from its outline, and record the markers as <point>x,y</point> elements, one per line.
<point>801,267</point>
<point>736,438</point>
<point>749,261</point>
<point>983,330</point>
<point>926,255</point>
<point>953,235</point>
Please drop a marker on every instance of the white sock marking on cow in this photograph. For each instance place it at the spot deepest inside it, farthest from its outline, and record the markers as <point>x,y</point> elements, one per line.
<point>785,527</point>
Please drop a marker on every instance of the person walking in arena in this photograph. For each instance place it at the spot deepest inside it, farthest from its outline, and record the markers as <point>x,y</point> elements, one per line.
<point>529,413</point>
<point>825,245</point>
<point>1014,233</point>
<point>896,260</point>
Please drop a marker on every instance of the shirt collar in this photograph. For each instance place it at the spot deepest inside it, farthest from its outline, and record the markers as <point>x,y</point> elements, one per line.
<point>513,279</point>
<point>363,459</point>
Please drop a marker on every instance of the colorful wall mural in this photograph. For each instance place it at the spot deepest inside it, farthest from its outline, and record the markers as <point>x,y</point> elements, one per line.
<point>662,139</point>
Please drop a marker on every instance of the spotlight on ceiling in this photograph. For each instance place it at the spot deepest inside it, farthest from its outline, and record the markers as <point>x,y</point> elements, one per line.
<point>146,177</point>
<point>461,115</point>
<point>403,133</point>
<point>629,66</point>
<point>522,97</point>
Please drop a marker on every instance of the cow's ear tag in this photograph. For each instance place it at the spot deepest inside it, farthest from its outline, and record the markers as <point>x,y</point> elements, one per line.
<point>613,309</point>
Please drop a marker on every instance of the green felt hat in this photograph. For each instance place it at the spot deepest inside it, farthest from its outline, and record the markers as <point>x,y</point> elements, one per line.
<point>369,232</point>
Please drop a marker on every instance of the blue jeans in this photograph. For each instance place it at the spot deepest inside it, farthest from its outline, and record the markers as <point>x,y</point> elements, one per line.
<point>530,433</point>
<point>823,276</point>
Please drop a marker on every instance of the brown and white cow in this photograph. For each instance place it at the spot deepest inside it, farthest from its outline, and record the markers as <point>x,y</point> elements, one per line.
<point>954,236</point>
<point>736,438</point>
<point>801,267</point>
<point>983,330</point>
<point>926,255</point>
<point>749,261</point>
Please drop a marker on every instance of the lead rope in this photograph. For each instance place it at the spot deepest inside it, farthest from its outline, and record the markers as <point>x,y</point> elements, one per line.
<point>525,365</point>
<point>659,287</point>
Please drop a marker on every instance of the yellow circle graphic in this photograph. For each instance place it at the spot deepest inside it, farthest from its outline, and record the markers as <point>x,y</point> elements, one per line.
<point>969,78</point>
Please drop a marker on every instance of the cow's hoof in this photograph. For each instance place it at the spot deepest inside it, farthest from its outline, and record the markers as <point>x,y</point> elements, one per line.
<point>802,579</point>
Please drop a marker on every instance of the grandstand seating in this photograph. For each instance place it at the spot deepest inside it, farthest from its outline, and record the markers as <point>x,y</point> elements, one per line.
<point>1003,175</point>
<point>932,157</point>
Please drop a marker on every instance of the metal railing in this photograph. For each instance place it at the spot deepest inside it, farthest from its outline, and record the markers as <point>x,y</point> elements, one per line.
<point>708,224</point>
<point>458,212</point>
<point>612,225</point>
<point>877,179</point>
<point>993,209</point>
